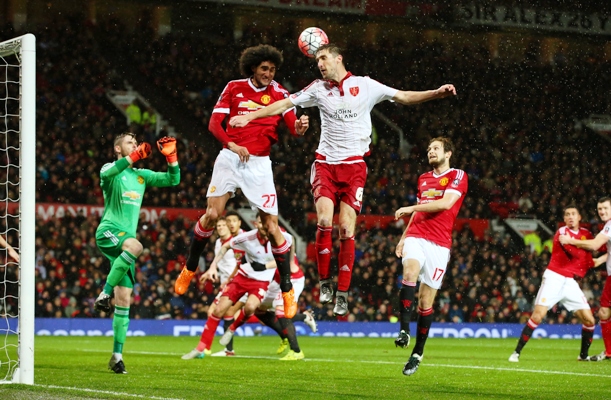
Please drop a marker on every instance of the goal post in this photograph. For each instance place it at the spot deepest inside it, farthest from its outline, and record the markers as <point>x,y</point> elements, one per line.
<point>18,145</point>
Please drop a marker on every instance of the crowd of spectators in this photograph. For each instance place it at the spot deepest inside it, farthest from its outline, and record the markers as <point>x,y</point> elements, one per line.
<point>516,125</point>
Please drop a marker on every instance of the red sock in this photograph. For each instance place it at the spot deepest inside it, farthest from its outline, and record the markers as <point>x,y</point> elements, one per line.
<point>324,247</point>
<point>201,233</point>
<point>239,321</point>
<point>205,342</point>
<point>346,262</point>
<point>605,327</point>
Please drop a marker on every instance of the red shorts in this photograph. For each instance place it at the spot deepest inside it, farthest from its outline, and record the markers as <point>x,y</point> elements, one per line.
<point>605,298</point>
<point>241,285</point>
<point>339,182</point>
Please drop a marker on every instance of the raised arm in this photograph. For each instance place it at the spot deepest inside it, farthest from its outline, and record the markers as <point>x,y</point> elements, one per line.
<point>410,97</point>
<point>275,108</point>
<point>11,252</point>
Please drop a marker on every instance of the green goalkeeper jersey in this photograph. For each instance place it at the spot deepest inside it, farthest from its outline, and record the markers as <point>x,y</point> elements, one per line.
<point>123,189</point>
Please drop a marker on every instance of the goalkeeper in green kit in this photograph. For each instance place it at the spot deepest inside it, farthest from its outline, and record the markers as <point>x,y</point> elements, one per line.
<point>123,188</point>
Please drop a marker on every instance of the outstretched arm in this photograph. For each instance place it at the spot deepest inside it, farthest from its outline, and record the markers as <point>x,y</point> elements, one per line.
<point>276,108</point>
<point>409,97</point>
<point>591,245</point>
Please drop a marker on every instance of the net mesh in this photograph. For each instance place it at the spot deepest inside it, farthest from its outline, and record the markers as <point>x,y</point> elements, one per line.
<point>9,205</point>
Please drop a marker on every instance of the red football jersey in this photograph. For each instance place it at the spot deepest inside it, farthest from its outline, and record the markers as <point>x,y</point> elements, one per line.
<point>570,260</point>
<point>437,227</point>
<point>241,97</point>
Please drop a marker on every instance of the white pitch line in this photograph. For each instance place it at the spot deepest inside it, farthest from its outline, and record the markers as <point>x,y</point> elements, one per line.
<point>400,363</point>
<point>122,394</point>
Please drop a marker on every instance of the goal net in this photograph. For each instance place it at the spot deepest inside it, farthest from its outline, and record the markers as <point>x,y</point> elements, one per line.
<point>17,207</point>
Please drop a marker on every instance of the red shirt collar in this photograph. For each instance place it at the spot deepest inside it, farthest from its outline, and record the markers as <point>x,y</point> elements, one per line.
<point>340,85</point>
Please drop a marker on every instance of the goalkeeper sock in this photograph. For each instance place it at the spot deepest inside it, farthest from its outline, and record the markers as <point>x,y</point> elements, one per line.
<point>120,323</point>
<point>299,318</point>
<point>324,248</point>
<point>425,319</point>
<point>587,333</point>
<point>346,263</point>
<point>526,334</point>
<point>288,329</point>
<point>407,294</point>
<point>270,319</point>
<point>282,255</point>
<point>227,321</point>
<point>198,244</point>
<point>118,270</point>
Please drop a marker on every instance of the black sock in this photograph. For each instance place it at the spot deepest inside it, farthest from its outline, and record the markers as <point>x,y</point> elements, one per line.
<point>525,335</point>
<point>299,318</point>
<point>226,324</point>
<point>424,324</point>
<point>407,295</point>
<point>284,267</point>
<point>195,251</point>
<point>289,331</point>
<point>269,319</point>
<point>586,341</point>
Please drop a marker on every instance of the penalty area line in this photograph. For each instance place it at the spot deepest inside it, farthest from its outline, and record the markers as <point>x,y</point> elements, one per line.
<point>122,394</point>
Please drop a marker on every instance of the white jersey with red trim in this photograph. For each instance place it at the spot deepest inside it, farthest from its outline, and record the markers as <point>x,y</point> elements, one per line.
<point>227,264</point>
<point>345,113</point>
<point>258,250</point>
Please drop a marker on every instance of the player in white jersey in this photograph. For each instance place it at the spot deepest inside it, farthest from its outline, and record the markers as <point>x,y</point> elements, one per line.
<point>252,278</point>
<point>227,227</point>
<point>339,171</point>
<point>603,238</point>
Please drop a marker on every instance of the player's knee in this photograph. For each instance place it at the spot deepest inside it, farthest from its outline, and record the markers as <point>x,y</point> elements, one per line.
<point>134,247</point>
<point>249,309</point>
<point>536,317</point>
<point>345,231</point>
<point>324,221</point>
<point>604,313</point>
<point>212,214</point>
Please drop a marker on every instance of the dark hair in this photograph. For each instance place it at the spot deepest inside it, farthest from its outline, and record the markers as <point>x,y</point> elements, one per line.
<point>252,57</point>
<point>604,199</point>
<point>447,143</point>
<point>232,213</point>
<point>571,205</point>
<point>331,48</point>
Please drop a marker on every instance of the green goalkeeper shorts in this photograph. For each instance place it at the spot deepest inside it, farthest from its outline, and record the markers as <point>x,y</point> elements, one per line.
<point>110,242</point>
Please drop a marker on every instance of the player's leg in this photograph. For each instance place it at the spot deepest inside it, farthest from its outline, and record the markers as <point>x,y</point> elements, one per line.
<point>604,315</point>
<point>347,223</point>
<point>324,247</point>
<point>228,320</point>
<point>535,320</point>
<point>238,320</point>
<point>202,232</point>
<point>123,252</point>
<point>587,332</point>
<point>282,251</point>
<point>120,323</point>
<point>413,259</point>
<point>288,331</point>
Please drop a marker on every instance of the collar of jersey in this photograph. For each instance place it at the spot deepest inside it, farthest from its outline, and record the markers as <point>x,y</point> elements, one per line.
<point>339,85</point>
<point>256,89</point>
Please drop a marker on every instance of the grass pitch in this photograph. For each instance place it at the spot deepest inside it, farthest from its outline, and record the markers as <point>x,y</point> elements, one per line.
<point>335,368</point>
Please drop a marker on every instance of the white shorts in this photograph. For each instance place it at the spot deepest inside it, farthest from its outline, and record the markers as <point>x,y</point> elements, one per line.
<point>556,288</point>
<point>254,177</point>
<point>432,257</point>
<point>273,298</point>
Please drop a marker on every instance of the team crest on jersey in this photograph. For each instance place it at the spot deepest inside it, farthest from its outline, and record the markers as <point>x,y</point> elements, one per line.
<point>583,237</point>
<point>265,99</point>
<point>443,181</point>
<point>140,180</point>
<point>212,189</point>
<point>354,90</point>
<point>121,234</point>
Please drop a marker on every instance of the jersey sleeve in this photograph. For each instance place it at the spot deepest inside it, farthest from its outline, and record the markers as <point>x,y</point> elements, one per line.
<point>110,170</point>
<point>223,104</point>
<point>379,92</point>
<point>307,96</point>
<point>607,229</point>
<point>459,183</point>
<point>161,179</point>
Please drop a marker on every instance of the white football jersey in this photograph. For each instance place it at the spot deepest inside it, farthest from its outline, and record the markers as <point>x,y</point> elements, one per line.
<point>345,113</point>
<point>607,232</point>
<point>227,264</point>
<point>255,250</point>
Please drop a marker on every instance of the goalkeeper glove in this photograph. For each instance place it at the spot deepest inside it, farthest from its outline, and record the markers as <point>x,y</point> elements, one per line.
<point>167,147</point>
<point>141,152</point>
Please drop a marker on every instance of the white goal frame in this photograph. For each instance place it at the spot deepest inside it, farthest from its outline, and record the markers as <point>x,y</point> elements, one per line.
<point>24,47</point>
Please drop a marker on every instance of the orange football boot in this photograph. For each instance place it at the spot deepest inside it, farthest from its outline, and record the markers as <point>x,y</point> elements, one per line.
<point>183,281</point>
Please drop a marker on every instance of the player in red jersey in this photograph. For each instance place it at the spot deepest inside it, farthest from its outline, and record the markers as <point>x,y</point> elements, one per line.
<point>425,245</point>
<point>339,172</point>
<point>603,238</point>
<point>559,285</point>
<point>244,161</point>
